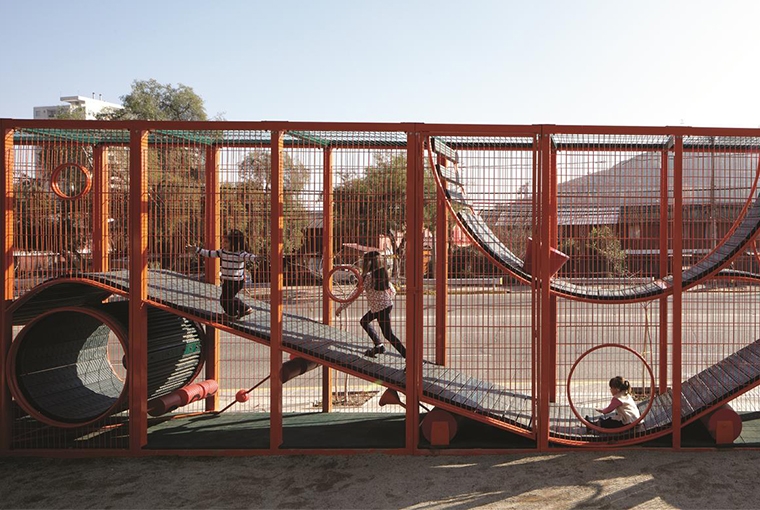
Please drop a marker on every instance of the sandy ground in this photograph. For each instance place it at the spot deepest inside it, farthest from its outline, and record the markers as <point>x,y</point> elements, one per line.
<point>628,479</point>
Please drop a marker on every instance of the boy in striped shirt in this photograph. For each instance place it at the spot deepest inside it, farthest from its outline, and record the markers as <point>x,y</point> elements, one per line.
<point>233,254</point>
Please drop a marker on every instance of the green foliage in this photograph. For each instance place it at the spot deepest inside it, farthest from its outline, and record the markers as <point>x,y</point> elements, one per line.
<point>605,244</point>
<point>150,100</point>
<point>77,113</point>
<point>469,262</point>
<point>602,254</point>
<point>374,204</point>
<point>256,168</point>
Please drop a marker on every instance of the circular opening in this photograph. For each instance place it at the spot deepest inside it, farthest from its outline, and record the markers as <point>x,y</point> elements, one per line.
<point>588,382</point>
<point>345,283</point>
<point>70,181</point>
<point>66,367</point>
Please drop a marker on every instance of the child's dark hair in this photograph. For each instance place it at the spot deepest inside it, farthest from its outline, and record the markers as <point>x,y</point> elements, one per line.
<point>372,264</point>
<point>236,240</point>
<point>620,384</point>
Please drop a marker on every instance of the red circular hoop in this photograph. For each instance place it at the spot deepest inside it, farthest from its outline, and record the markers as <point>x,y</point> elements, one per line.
<point>624,427</point>
<point>15,388</point>
<point>359,285</point>
<point>54,185</point>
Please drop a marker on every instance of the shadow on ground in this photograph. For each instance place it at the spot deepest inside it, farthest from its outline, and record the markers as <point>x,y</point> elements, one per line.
<point>627,479</point>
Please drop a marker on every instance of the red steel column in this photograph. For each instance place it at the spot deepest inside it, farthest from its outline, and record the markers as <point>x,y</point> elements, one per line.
<point>414,206</point>
<point>327,259</point>
<point>276,254</point>
<point>100,208</point>
<point>546,369</point>
<point>552,310</point>
<point>6,262</point>
<point>441,272</point>
<point>677,287</point>
<point>663,272</point>
<point>138,289</point>
<point>212,240</point>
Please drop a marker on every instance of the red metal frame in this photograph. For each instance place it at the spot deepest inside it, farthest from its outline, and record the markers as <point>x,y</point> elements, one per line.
<point>549,343</point>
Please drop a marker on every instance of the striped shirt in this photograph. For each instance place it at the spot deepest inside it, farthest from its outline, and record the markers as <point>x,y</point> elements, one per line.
<point>232,262</point>
<point>378,299</point>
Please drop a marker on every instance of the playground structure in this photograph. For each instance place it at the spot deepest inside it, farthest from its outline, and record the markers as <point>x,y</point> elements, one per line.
<point>614,251</point>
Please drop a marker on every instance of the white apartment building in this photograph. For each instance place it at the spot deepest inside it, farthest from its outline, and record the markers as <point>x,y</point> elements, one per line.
<point>91,106</point>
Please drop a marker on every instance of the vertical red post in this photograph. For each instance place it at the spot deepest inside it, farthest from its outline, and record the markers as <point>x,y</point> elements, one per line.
<point>414,244</point>
<point>544,274</point>
<point>327,259</point>
<point>6,262</point>
<point>138,289</point>
<point>276,260</point>
<point>663,272</point>
<point>213,238</point>
<point>552,310</point>
<point>441,272</point>
<point>100,208</point>
<point>677,286</point>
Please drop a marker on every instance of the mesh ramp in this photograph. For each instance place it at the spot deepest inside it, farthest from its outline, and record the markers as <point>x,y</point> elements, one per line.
<point>479,231</point>
<point>701,394</point>
<point>330,346</point>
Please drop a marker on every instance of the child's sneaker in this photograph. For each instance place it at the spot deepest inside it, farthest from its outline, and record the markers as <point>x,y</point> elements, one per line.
<point>589,419</point>
<point>378,349</point>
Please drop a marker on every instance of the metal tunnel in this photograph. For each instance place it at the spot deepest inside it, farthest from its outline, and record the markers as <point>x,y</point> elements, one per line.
<point>67,366</point>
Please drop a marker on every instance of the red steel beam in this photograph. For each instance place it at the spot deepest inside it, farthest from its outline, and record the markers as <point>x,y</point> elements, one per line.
<point>6,262</point>
<point>327,264</point>
<point>663,272</point>
<point>441,272</point>
<point>100,208</point>
<point>546,369</point>
<point>138,290</point>
<point>213,240</point>
<point>414,306</point>
<point>276,261</point>
<point>677,287</point>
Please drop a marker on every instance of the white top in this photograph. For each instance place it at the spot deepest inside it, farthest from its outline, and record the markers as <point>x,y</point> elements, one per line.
<point>627,411</point>
<point>378,299</point>
<point>232,263</point>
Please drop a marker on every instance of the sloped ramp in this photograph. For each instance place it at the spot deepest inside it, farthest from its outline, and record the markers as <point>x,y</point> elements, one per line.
<point>308,338</point>
<point>480,233</point>
<point>442,386</point>
<point>701,394</point>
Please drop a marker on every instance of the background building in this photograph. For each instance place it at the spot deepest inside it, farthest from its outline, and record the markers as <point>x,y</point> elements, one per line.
<point>91,107</point>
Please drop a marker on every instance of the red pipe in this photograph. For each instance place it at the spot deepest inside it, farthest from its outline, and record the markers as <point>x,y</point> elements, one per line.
<point>182,397</point>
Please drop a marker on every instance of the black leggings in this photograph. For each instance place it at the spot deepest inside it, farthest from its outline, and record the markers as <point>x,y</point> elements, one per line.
<point>384,320</point>
<point>610,423</point>
<point>231,304</point>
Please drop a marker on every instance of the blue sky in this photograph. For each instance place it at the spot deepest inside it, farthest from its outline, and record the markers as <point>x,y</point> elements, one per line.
<point>606,62</point>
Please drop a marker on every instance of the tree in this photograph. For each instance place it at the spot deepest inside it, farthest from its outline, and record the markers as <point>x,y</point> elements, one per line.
<point>150,100</point>
<point>253,188</point>
<point>256,168</point>
<point>76,113</point>
<point>175,175</point>
<point>374,204</point>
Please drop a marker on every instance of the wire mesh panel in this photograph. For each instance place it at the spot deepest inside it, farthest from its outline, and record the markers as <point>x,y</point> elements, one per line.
<point>61,177</point>
<point>346,194</point>
<point>209,239</point>
<point>477,304</point>
<point>612,202</point>
<point>649,235</point>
